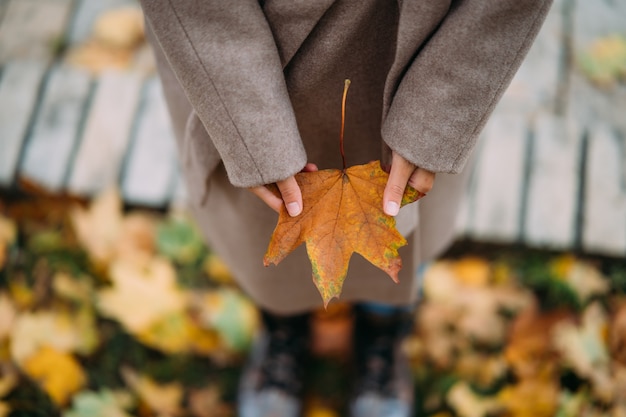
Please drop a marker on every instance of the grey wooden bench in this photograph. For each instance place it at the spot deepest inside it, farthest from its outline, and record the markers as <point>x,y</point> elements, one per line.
<point>551,165</point>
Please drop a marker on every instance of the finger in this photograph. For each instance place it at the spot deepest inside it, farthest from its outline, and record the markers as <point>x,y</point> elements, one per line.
<point>268,197</point>
<point>401,171</point>
<point>292,196</point>
<point>310,167</point>
<point>422,180</point>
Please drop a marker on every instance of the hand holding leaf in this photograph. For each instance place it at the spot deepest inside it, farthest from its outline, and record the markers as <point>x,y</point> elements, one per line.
<point>342,214</point>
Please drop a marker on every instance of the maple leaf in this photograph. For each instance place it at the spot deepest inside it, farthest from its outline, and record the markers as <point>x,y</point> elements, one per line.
<point>163,399</point>
<point>59,374</point>
<point>342,215</point>
<point>140,296</point>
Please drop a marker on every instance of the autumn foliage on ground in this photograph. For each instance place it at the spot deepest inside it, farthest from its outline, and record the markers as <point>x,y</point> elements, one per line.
<point>112,313</point>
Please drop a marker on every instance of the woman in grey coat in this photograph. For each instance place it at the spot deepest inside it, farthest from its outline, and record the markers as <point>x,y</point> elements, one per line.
<point>254,90</point>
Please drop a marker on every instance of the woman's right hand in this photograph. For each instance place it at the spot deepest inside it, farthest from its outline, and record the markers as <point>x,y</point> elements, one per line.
<point>289,191</point>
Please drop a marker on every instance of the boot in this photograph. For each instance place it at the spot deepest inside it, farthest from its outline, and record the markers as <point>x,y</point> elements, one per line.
<point>383,383</point>
<point>272,382</point>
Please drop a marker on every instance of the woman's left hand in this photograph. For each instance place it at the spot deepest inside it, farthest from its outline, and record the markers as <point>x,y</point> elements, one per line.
<point>401,174</point>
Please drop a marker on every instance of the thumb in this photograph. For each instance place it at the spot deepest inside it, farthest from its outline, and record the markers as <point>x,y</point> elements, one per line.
<point>291,194</point>
<point>399,175</point>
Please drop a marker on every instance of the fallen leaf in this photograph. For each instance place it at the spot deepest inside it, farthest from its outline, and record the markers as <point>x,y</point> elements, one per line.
<point>587,281</point>
<point>104,403</point>
<point>179,239</point>
<point>7,315</point>
<point>466,403</point>
<point>140,296</point>
<point>74,289</point>
<point>207,402</point>
<point>8,380</point>
<point>8,232</point>
<point>529,350</point>
<point>120,28</point>
<point>617,340</point>
<point>531,398</point>
<point>98,228</point>
<point>232,315</point>
<point>164,399</point>
<point>472,271</point>
<point>136,241</point>
<point>58,330</point>
<point>177,333</point>
<point>96,57</point>
<point>584,348</point>
<point>342,215</point>
<point>481,369</point>
<point>604,61</point>
<point>58,373</point>
<point>217,270</point>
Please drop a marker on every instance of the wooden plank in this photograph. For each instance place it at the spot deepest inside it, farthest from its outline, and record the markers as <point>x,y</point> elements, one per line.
<point>86,13</point>
<point>499,179</point>
<point>594,19</point>
<point>553,184</point>
<point>151,170</point>
<point>605,194</point>
<point>30,29</point>
<point>535,83</point>
<point>107,133</point>
<point>48,152</point>
<point>19,87</point>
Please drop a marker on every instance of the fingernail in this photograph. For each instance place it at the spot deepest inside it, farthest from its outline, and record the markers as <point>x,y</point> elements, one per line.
<point>392,208</point>
<point>293,209</point>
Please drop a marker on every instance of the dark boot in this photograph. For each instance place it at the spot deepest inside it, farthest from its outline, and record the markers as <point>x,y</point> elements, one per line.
<point>272,381</point>
<point>384,382</point>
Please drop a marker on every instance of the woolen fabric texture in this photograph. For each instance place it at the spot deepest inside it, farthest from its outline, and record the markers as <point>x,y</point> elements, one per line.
<point>254,90</point>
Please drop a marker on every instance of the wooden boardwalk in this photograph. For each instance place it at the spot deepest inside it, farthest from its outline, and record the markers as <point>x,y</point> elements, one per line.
<point>550,171</point>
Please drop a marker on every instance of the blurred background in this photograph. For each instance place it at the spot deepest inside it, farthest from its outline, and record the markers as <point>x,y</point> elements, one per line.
<point>111,305</point>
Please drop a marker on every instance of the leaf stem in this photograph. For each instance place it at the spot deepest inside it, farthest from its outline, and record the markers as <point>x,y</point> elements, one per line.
<point>343,120</point>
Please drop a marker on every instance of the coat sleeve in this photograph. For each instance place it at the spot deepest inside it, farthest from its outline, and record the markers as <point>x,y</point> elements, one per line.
<point>225,58</point>
<point>451,87</point>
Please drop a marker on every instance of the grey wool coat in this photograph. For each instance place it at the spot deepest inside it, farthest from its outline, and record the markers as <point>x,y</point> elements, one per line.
<point>254,90</point>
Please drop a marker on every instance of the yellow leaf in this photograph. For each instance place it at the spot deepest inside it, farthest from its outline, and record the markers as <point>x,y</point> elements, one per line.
<point>120,28</point>
<point>472,271</point>
<point>58,373</point>
<point>562,265</point>
<point>75,289</point>
<point>531,398</point>
<point>140,296</point>
<point>98,228</point>
<point>8,232</point>
<point>137,238</point>
<point>32,331</point>
<point>7,315</point>
<point>164,399</point>
<point>177,333</point>
<point>468,404</point>
<point>21,294</point>
<point>217,270</point>
<point>206,402</point>
<point>8,380</point>
<point>587,281</point>
<point>232,315</point>
<point>585,349</point>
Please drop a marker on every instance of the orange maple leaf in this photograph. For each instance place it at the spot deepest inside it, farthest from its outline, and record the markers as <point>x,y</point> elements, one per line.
<point>342,214</point>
